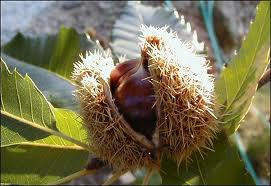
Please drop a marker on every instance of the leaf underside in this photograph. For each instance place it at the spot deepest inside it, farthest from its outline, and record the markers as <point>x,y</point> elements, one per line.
<point>22,101</point>
<point>126,30</point>
<point>56,53</point>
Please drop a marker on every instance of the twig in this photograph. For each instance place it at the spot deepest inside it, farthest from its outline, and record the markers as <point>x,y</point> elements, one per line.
<point>147,177</point>
<point>265,79</point>
<point>96,36</point>
<point>115,176</point>
<point>73,176</point>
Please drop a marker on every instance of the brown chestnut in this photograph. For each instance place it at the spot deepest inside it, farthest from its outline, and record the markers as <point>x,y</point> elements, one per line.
<point>134,95</point>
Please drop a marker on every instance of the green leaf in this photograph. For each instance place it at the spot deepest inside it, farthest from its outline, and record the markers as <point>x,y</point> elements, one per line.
<point>22,103</point>
<point>30,154</point>
<point>219,167</point>
<point>37,150</point>
<point>127,28</point>
<point>30,164</point>
<point>237,84</point>
<point>27,116</point>
<point>46,160</point>
<point>57,90</point>
<point>71,124</point>
<point>56,53</point>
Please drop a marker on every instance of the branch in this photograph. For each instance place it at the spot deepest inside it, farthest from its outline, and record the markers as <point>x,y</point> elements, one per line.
<point>73,176</point>
<point>96,36</point>
<point>147,177</point>
<point>115,176</point>
<point>265,79</point>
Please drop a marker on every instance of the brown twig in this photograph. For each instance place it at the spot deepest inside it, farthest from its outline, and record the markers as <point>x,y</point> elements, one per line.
<point>95,36</point>
<point>114,177</point>
<point>265,79</point>
<point>147,177</point>
<point>73,176</point>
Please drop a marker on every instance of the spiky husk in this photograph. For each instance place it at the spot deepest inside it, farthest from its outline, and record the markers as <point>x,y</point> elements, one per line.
<point>184,100</point>
<point>184,92</point>
<point>107,132</point>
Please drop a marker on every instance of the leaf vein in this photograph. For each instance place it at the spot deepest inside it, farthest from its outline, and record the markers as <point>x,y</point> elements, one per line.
<point>31,103</point>
<point>18,96</point>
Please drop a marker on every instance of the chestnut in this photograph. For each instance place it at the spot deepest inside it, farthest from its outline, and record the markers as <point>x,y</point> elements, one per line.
<point>134,95</point>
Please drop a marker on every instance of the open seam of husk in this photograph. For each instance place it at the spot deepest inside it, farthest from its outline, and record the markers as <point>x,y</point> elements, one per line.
<point>97,108</point>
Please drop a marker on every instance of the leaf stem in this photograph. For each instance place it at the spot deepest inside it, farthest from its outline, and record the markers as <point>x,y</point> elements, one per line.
<point>73,176</point>
<point>245,158</point>
<point>115,176</point>
<point>147,177</point>
<point>48,130</point>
